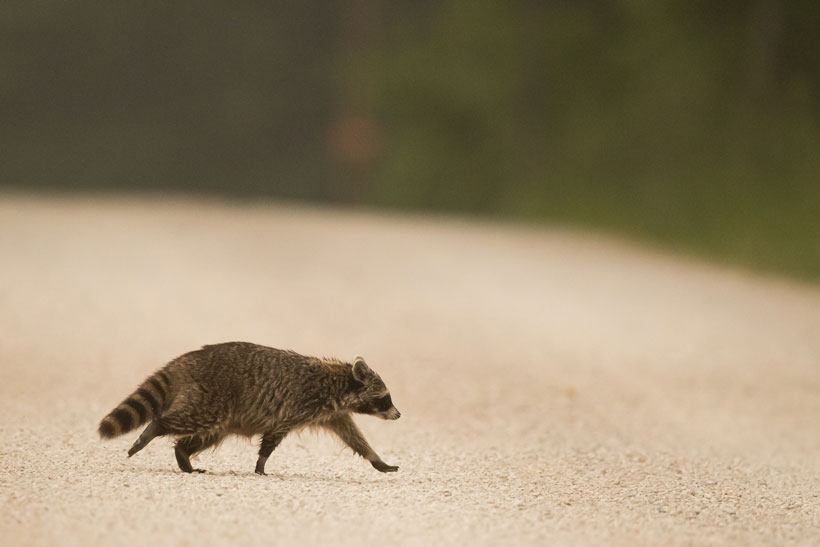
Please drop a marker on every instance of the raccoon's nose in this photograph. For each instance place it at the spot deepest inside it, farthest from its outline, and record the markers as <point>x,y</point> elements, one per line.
<point>398,414</point>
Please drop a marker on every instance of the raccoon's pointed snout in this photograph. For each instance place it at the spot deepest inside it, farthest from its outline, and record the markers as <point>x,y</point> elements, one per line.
<point>392,414</point>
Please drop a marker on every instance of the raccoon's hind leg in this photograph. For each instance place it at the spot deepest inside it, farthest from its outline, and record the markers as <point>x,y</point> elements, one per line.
<point>154,429</point>
<point>346,429</point>
<point>270,441</point>
<point>190,445</point>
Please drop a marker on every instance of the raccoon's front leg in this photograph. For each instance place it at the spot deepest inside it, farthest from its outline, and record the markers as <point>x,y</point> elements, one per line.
<point>346,429</point>
<point>270,441</point>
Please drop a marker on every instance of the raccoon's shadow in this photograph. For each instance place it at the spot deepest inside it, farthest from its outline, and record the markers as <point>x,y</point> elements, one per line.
<point>272,476</point>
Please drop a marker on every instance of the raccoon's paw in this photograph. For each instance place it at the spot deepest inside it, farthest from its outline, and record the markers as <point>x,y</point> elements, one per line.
<point>383,467</point>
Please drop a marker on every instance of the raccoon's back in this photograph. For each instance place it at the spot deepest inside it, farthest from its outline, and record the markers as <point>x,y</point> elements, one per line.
<point>231,361</point>
<point>242,370</point>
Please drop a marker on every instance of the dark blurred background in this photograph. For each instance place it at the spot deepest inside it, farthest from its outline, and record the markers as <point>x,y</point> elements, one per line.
<point>692,124</point>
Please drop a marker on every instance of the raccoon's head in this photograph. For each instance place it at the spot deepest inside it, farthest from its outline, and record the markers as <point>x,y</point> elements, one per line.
<point>370,395</point>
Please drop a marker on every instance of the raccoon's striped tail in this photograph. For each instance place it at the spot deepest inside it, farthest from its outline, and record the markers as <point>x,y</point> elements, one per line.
<point>142,405</point>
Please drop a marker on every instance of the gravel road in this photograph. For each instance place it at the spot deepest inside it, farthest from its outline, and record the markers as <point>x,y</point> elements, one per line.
<point>556,388</point>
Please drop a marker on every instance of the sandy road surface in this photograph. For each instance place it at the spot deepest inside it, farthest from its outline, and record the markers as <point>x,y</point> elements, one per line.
<point>555,388</point>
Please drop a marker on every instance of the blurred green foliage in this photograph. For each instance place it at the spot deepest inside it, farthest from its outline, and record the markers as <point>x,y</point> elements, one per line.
<point>695,124</point>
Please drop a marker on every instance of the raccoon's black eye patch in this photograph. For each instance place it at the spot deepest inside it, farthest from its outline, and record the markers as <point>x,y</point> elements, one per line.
<point>383,403</point>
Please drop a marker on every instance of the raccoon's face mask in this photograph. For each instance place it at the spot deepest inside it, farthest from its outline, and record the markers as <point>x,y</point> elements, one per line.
<point>374,398</point>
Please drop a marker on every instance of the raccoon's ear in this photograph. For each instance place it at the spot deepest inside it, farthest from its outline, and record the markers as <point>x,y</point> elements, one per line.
<point>361,371</point>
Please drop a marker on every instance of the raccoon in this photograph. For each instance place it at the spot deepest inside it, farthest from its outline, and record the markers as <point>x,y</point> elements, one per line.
<point>239,388</point>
